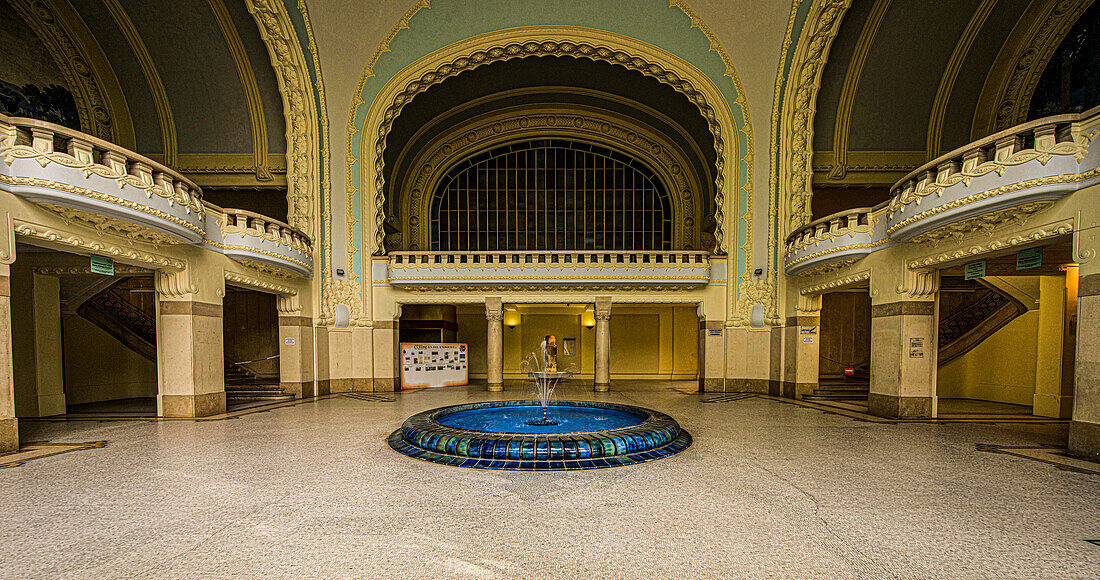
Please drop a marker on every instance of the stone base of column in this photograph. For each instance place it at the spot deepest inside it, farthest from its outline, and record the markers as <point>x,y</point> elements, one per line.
<point>302,390</point>
<point>354,385</point>
<point>602,388</point>
<point>9,435</point>
<point>1084,439</point>
<point>192,405</point>
<point>324,387</point>
<point>1056,406</point>
<point>791,390</point>
<point>494,388</point>
<point>893,407</point>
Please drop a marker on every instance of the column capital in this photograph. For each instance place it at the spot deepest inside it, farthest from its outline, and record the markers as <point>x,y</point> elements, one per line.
<point>603,308</point>
<point>494,308</point>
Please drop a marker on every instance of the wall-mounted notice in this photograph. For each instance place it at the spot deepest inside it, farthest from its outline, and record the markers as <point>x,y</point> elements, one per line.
<point>974,270</point>
<point>916,347</point>
<point>1029,258</point>
<point>433,364</point>
<point>102,265</point>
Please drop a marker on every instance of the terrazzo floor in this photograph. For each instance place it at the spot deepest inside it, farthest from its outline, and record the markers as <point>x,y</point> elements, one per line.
<point>768,490</point>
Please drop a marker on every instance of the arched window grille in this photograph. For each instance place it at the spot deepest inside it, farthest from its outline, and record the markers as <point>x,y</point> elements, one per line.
<point>550,194</point>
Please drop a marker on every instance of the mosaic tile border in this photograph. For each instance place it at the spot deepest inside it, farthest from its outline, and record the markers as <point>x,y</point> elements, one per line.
<point>656,437</point>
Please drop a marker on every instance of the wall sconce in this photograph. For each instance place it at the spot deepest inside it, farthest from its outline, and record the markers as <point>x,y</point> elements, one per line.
<point>588,319</point>
<point>511,318</point>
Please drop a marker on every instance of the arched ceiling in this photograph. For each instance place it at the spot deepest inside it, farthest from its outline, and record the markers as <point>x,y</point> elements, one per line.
<point>196,85</point>
<point>548,80</point>
<point>907,81</point>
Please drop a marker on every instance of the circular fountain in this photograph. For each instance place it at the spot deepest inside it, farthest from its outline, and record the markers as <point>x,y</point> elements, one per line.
<point>508,435</point>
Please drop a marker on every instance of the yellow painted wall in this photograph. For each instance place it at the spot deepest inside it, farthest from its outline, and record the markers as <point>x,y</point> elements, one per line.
<point>1001,368</point>
<point>647,342</point>
<point>100,368</point>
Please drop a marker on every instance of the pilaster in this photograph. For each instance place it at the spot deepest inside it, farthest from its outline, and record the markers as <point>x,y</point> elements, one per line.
<point>36,326</point>
<point>9,427</point>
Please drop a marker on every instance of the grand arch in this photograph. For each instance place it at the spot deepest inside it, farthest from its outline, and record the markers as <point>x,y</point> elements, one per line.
<point>375,108</point>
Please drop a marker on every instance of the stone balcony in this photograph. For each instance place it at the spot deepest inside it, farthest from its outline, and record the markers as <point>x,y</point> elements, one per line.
<point>91,181</point>
<point>259,241</point>
<point>1016,172</point>
<point>657,270</point>
<point>77,175</point>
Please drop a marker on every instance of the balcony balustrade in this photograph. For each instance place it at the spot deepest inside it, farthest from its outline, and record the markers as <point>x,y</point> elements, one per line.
<point>575,268</point>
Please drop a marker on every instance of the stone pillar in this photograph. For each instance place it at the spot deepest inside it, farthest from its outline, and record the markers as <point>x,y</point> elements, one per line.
<point>1084,429</point>
<point>36,328</point>
<point>1050,400</point>
<point>802,337</point>
<point>386,344</point>
<point>903,351</point>
<point>603,344</point>
<point>9,429</point>
<point>296,373</point>
<point>190,359</point>
<point>494,353</point>
<point>711,357</point>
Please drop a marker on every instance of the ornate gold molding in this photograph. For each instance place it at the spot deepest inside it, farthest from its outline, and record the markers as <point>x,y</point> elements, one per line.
<point>96,246</point>
<point>851,84</point>
<point>1006,94</point>
<point>848,280</point>
<point>795,140</point>
<point>947,81</point>
<point>72,58</point>
<point>258,284</point>
<point>303,161</point>
<point>536,121</point>
<point>983,224</point>
<point>152,78</point>
<point>1060,228</point>
<point>248,84</point>
<point>524,42</point>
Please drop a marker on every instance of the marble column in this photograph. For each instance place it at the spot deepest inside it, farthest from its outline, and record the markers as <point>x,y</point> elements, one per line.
<point>903,359</point>
<point>1084,429</point>
<point>296,373</point>
<point>603,344</point>
<point>36,328</point>
<point>494,349</point>
<point>9,429</point>
<point>802,338</point>
<point>190,359</point>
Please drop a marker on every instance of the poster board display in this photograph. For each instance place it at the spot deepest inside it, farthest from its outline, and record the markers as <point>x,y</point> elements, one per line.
<point>434,364</point>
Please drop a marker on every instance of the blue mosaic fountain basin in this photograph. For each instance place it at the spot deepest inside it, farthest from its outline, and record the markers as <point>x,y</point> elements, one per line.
<point>495,435</point>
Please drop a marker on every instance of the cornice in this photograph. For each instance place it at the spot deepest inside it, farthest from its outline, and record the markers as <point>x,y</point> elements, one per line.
<point>851,84</point>
<point>152,78</point>
<point>248,84</point>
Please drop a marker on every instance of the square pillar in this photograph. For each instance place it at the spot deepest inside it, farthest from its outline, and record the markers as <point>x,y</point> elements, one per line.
<point>1084,429</point>
<point>387,355</point>
<point>494,343</point>
<point>1051,399</point>
<point>801,337</point>
<point>36,328</point>
<point>903,359</point>
<point>711,355</point>
<point>296,374</point>
<point>9,428</point>
<point>190,358</point>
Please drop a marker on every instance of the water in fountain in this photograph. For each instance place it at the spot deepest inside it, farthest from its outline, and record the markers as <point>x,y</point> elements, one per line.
<point>545,382</point>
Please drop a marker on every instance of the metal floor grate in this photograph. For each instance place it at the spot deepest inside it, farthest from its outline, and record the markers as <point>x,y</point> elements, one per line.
<point>369,397</point>
<point>727,397</point>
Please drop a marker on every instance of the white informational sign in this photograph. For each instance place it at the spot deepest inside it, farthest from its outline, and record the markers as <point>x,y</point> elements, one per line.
<point>434,364</point>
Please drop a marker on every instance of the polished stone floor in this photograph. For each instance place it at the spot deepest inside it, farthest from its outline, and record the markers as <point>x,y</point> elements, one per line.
<point>768,490</point>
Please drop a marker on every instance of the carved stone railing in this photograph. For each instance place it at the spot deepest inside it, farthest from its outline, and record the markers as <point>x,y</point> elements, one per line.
<point>88,179</point>
<point>259,241</point>
<point>850,234</point>
<point>1000,178</point>
<point>574,268</point>
<point>118,192</point>
<point>1035,162</point>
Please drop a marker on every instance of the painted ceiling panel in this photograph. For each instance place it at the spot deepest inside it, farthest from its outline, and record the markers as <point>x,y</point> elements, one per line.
<point>832,79</point>
<point>892,106</point>
<point>198,73</point>
<point>126,68</point>
<point>968,86</point>
<point>265,75</point>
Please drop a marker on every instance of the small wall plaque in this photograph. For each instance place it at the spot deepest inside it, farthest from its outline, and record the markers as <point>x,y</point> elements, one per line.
<point>103,265</point>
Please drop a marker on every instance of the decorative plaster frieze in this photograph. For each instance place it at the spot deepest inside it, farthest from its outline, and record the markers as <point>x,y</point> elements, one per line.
<point>919,283</point>
<point>97,246</point>
<point>986,224</point>
<point>1041,233</point>
<point>849,280</point>
<point>175,283</point>
<point>258,284</point>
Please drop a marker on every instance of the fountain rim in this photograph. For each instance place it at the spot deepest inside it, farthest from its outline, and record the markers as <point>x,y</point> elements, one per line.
<point>649,415</point>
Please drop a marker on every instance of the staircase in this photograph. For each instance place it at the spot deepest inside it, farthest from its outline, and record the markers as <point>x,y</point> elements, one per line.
<point>842,388</point>
<point>242,386</point>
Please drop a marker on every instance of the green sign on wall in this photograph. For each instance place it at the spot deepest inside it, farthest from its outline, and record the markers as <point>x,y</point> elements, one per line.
<point>974,270</point>
<point>1029,258</point>
<point>102,265</point>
